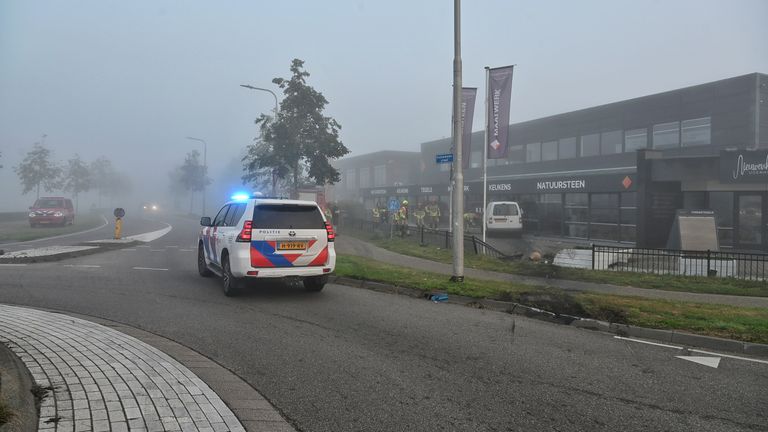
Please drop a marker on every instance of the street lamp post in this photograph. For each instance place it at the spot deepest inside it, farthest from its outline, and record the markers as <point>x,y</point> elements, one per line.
<point>274,174</point>
<point>205,165</point>
<point>458,175</point>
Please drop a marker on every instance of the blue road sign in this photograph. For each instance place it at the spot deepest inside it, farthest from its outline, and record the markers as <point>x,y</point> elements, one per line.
<point>444,158</point>
<point>393,205</point>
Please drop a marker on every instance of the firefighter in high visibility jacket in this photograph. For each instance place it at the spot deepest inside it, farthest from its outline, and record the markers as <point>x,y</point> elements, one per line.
<point>419,215</point>
<point>401,218</point>
<point>433,211</point>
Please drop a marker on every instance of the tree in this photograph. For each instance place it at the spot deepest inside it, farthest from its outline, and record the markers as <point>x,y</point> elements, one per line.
<point>194,175</point>
<point>300,140</point>
<point>77,178</point>
<point>37,169</point>
<point>102,174</point>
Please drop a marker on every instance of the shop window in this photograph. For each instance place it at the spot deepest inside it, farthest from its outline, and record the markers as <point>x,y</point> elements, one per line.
<point>567,148</point>
<point>551,213</point>
<point>365,177</point>
<point>635,139</point>
<point>533,152</point>
<point>628,217</point>
<point>380,174</point>
<point>549,151</point>
<point>696,132</point>
<point>610,142</point>
<point>604,216</point>
<point>666,135</point>
<point>576,215</point>
<point>694,200</point>
<point>722,204</point>
<point>516,154</point>
<point>590,145</point>
<point>529,206</point>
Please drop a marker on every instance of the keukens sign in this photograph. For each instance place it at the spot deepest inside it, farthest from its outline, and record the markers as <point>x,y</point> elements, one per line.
<point>744,166</point>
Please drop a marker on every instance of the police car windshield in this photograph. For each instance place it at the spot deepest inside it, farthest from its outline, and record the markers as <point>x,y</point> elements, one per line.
<point>287,216</point>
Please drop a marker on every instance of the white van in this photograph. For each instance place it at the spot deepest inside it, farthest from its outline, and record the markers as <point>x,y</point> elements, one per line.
<point>504,217</point>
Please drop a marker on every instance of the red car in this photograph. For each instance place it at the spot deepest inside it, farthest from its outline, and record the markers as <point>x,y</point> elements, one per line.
<point>52,211</point>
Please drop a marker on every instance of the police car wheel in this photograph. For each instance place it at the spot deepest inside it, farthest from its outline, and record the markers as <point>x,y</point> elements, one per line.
<point>315,283</point>
<point>231,284</point>
<point>202,267</point>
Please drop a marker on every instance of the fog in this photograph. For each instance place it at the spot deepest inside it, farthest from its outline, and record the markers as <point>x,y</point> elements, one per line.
<point>130,80</point>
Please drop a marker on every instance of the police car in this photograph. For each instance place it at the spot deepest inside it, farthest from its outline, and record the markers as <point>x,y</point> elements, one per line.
<point>254,237</point>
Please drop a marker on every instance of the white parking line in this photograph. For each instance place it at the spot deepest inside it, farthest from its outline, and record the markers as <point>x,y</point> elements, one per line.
<point>691,349</point>
<point>150,268</point>
<point>82,265</point>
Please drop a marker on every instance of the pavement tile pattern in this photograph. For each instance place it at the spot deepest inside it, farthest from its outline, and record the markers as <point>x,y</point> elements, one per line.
<point>103,380</point>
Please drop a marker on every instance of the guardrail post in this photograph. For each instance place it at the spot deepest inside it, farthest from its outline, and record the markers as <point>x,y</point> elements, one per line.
<point>474,244</point>
<point>593,256</point>
<point>421,232</point>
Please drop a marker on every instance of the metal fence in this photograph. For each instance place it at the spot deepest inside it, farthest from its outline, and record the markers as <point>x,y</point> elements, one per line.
<point>423,235</point>
<point>740,265</point>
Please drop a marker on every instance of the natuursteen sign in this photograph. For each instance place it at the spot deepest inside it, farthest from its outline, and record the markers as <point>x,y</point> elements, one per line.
<point>744,166</point>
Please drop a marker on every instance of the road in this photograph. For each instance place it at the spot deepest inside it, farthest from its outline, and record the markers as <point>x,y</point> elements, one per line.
<point>349,359</point>
<point>132,225</point>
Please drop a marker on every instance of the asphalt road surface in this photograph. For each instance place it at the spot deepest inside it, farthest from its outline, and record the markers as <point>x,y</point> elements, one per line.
<point>348,359</point>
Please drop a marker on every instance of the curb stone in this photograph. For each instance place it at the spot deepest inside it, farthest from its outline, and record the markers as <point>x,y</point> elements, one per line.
<point>664,336</point>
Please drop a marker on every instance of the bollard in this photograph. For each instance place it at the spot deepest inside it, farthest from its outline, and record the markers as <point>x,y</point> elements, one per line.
<point>119,214</point>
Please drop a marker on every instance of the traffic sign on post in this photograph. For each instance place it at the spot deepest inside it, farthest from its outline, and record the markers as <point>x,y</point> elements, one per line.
<point>394,205</point>
<point>444,158</point>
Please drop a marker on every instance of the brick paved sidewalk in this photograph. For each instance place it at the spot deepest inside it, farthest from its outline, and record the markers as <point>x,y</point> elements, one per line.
<point>104,380</point>
<point>347,244</point>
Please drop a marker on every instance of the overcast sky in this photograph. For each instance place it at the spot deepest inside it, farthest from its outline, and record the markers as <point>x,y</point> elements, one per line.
<point>129,80</point>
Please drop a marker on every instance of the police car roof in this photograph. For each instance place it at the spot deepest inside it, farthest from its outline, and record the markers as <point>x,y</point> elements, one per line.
<point>278,201</point>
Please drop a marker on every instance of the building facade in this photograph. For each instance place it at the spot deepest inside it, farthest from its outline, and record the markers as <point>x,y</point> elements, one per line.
<point>619,172</point>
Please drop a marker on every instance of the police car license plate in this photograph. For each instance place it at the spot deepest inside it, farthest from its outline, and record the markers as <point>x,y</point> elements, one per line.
<point>292,245</point>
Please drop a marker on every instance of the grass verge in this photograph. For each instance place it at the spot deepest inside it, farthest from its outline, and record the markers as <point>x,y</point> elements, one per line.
<point>695,284</point>
<point>19,230</point>
<point>745,324</point>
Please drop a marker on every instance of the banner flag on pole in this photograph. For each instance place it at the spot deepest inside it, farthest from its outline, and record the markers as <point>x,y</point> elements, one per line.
<point>499,95</point>
<point>468,96</point>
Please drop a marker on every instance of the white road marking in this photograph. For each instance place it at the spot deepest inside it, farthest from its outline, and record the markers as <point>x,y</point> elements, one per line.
<point>712,362</point>
<point>82,265</point>
<point>186,250</point>
<point>12,265</point>
<point>142,246</point>
<point>129,250</point>
<point>692,350</point>
<point>647,342</point>
<point>150,268</point>
<point>730,356</point>
<point>150,236</point>
<point>157,250</point>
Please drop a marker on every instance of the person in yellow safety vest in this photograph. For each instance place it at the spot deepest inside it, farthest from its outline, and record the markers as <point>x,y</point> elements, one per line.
<point>401,218</point>
<point>433,210</point>
<point>419,214</point>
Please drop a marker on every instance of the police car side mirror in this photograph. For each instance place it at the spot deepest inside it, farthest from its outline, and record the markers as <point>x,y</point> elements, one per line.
<point>205,221</point>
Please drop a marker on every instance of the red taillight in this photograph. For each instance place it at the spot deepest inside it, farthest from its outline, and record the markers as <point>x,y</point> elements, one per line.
<point>245,233</point>
<point>329,229</point>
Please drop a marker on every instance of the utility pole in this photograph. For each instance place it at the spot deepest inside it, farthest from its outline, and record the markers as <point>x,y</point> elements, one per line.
<point>274,173</point>
<point>457,190</point>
